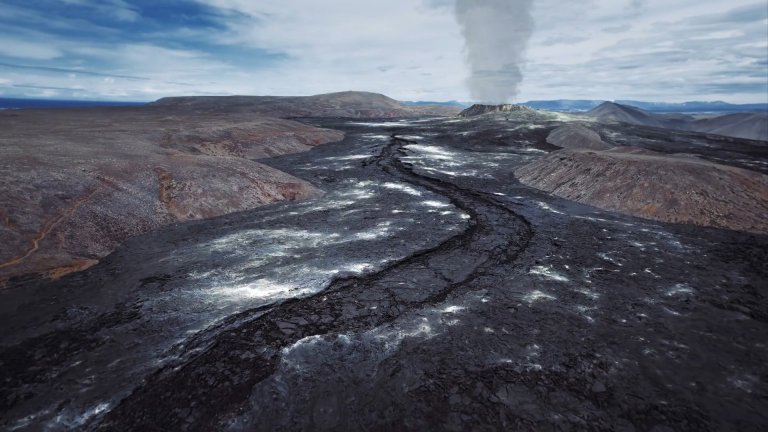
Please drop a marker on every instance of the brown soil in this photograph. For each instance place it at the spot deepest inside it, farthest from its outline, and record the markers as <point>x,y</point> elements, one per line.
<point>667,188</point>
<point>78,182</point>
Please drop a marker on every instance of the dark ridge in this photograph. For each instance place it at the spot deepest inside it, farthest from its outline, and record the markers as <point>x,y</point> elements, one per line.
<point>480,109</point>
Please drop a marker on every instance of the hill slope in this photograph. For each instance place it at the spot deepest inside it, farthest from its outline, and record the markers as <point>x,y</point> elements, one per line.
<point>78,182</point>
<point>740,125</point>
<point>351,104</point>
<point>575,136</point>
<point>661,187</point>
<point>613,112</point>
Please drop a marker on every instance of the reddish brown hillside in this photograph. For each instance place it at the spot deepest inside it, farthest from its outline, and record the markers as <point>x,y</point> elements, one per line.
<point>78,182</point>
<point>654,186</point>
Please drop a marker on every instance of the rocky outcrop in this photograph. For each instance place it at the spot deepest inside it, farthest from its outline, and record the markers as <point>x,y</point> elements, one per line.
<point>574,136</point>
<point>480,109</point>
<point>642,183</point>
<point>78,182</point>
<point>348,104</point>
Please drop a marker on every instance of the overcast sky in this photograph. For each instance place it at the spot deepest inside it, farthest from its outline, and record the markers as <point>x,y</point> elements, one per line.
<point>657,50</point>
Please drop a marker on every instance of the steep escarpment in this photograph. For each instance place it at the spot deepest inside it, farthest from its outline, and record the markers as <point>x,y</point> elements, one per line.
<point>349,104</point>
<point>76,183</point>
<point>667,188</point>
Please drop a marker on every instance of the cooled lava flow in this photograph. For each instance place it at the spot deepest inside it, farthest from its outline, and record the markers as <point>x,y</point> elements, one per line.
<point>218,380</point>
<point>427,289</point>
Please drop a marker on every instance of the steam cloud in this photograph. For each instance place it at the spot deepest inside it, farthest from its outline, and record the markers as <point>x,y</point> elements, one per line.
<point>496,34</point>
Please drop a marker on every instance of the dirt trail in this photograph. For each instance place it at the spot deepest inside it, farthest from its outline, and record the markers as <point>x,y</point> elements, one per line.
<point>48,227</point>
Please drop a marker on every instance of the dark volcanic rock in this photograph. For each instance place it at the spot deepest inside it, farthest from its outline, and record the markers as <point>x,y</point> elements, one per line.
<point>480,109</point>
<point>574,136</point>
<point>667,188</point>
<point>79,182</point>
<point>427,289</point>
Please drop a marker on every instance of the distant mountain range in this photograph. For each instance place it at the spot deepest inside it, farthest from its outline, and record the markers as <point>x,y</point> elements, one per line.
<point>579,105</point>
<point>10,103</point>
<point>349,104</point>
<point>451,103</point>
<point>562,105</point>
<point>566,105</point>
<point>749,125</point>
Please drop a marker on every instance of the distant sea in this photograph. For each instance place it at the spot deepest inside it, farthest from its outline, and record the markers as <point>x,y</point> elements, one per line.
<point>7,103</point>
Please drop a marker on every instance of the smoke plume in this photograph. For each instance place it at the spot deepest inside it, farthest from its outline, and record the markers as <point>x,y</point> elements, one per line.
<point>496,33</point>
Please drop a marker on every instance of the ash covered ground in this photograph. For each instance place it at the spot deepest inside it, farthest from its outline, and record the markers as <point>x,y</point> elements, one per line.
<point>426,290</point>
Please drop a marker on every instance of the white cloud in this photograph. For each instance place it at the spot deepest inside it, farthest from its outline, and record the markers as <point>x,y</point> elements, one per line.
<point>162,72</point>
<point>645,49</point>
<point>408,49</point>
<point>117,9</point>
<point>24,49</point>
<point>650,49</point>
<point>402,47</point>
